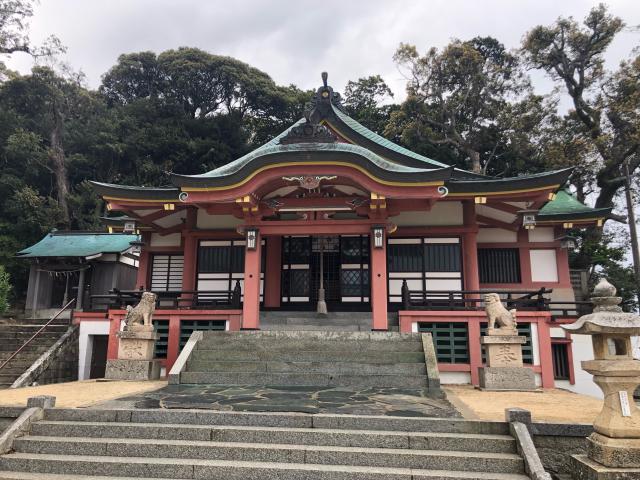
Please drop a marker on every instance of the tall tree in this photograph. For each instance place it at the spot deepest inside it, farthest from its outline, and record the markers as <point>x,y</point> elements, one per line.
<point>14,26</point>
<point>604,124</point>
<point>457,96</point>
<point>365,100</point>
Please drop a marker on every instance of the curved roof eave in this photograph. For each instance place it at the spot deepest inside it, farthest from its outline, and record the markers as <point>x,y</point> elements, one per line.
<point>553,179</point>
<point>111,190</point>
<point>271,156</point>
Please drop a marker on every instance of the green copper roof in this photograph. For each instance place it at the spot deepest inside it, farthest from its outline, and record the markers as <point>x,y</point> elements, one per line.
<point>566,206</point>
<point>269,149</point>
<point>380,140</point>
<point>68,244</point>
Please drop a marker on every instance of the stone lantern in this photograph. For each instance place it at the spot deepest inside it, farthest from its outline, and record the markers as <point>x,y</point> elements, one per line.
<point>615,443</point>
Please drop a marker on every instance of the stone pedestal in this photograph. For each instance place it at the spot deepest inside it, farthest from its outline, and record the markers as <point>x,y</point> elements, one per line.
<point>505,370</point>
<point>135,356</point>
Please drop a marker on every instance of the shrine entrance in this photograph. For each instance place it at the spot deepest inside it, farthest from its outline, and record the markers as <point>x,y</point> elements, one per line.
<point>342,262</point>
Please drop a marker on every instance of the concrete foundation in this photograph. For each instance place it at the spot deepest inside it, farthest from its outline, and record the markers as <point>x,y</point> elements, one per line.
<point>507,378</point>
<point>123,369</point>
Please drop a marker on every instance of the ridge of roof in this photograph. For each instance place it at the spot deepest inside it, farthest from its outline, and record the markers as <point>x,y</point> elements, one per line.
<point>380,140</point>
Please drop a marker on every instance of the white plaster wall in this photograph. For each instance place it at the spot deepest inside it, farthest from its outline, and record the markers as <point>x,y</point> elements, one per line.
<point>544,267</point>
<point>495,214</point>
<point>535,344</point>
<point>455,378</point>
<point>496,235</point>
<point>442,213</point>
<point>537,377</point>
<point>207,221</point>
<point>172,220</point>
<point>87,330</point>
<point>171,240</point>
<point>541,234</point>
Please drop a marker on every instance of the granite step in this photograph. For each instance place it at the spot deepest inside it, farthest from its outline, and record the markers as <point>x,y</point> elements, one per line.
<point>303,379</point>
<point>334,368</point>
<point>280,420</point>
<point>310,345</point>
<point>307,355</point>
<point>280,435</point>
<point>273,453</point>
<point>315,328</point>
<point>82,467</point>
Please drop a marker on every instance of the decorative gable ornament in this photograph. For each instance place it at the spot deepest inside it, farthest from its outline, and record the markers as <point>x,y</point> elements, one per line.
<point>309,133</point>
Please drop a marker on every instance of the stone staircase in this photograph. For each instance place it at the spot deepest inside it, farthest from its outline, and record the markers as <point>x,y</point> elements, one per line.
<point>14,334</point>
<point>332,322</point>
<point>309,358</point>
<point>74,444</point>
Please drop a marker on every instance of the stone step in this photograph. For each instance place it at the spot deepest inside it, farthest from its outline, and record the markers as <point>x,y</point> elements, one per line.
<point>333,368</point>
<point>315,328</point>
<point>382,337</point>
<point>33,328</point>
<point>266,315</point>
<point>309,344</point>
<point>281,420</point>
<point>307,355</point>
<point>280,435</point>
<point>273,453</point>
<point>58,467</point>
<point>303,379</point>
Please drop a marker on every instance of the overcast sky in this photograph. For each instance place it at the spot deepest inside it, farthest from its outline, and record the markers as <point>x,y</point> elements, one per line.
<point>293,41</point>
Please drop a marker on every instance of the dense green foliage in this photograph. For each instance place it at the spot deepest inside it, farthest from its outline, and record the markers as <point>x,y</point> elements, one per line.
<point>5,290</point>
<point>470,104</point>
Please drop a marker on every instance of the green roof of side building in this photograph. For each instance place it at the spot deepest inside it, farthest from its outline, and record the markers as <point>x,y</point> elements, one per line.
<point>70,244</point>
<point>567,207</point>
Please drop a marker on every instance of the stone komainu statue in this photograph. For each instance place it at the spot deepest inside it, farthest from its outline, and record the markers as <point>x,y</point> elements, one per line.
<point>140,315</point>
<point>497,314</point>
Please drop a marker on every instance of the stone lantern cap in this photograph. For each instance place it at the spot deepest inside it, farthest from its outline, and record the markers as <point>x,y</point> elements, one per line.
<point>607,316</point>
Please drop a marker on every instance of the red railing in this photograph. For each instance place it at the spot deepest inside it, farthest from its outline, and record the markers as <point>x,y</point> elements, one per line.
<point>12,356</point>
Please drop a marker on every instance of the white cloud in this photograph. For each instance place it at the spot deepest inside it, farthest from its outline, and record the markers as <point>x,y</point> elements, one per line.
<point>294,41</point>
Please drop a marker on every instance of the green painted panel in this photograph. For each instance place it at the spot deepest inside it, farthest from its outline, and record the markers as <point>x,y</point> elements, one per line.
<point>189,326</point>
<point>162,329</point>
<point>451,340</point>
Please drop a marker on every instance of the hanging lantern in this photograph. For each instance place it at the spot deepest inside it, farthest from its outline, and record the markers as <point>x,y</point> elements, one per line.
<point>528,218</point>
<point>136,246</point>
<point>252,238</point>
<point>129,227</point>
<point>378,237</point>
<point>567,241</point>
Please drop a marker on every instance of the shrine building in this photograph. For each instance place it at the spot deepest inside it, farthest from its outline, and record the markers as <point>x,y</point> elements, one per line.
<point>330,209</point>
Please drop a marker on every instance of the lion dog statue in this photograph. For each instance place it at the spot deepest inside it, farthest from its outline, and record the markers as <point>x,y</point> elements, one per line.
<point>498,315</point>
<point>139,317</point>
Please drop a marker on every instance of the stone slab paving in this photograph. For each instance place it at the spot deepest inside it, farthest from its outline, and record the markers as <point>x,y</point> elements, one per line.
<point>354,401</point>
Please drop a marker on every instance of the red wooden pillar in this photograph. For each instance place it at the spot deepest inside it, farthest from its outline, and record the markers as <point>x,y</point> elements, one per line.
<point>114,328</point>
<point>173,341</point>
<point>470,247</point>
<point>273,272</point>
<point>546,356</point>
<point>378,280</point>
<point>190,244</point>
<point>475,349</point>
<point>564,276</point>
<point>251,304</point>
<point>144,264</point>
<point>525,257</point>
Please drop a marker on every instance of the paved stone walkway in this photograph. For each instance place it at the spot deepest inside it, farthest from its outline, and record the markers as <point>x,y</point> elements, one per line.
<point>367,401</point>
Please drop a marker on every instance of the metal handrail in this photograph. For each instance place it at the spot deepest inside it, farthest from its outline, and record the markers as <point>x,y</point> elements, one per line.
<point>37,333</point>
